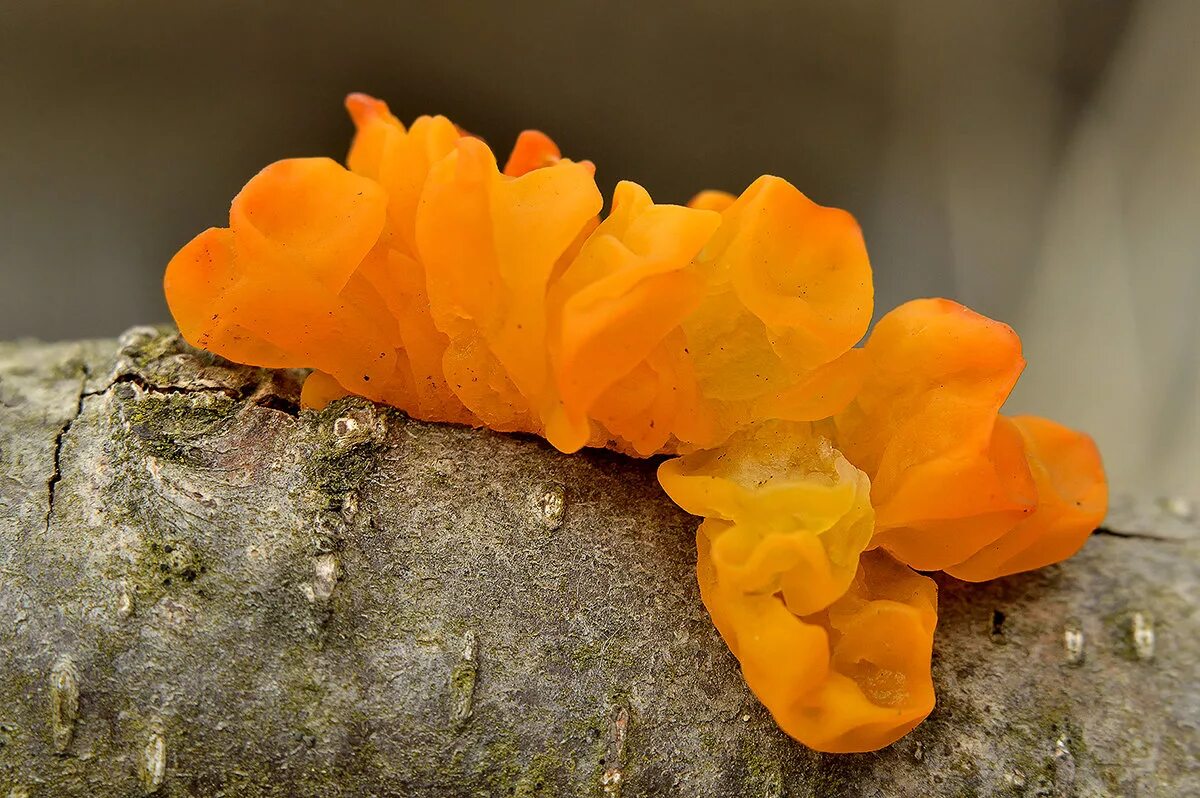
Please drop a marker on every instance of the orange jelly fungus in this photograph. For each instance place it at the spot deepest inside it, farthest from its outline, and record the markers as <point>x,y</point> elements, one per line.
<point>425,276</point>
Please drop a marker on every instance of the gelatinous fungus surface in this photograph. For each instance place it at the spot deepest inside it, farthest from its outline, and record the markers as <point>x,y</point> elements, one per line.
<point>425,276</point>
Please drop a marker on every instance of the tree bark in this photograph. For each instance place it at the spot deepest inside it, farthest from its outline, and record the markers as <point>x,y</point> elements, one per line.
<point>206,592</point>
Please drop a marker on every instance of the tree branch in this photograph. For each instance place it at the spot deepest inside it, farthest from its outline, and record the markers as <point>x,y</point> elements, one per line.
<point>205,592</point>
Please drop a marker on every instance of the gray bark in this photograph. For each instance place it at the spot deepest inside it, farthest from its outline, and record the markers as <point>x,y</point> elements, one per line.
<point>204,592</point>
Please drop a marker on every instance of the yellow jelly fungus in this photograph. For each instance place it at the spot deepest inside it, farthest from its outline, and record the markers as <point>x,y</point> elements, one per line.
<point>428,277</point>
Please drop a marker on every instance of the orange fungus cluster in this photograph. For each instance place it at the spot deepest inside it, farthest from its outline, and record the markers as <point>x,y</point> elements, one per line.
<point>425,276</point>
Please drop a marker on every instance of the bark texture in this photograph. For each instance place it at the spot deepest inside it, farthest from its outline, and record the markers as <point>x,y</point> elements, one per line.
<point>204,592</point>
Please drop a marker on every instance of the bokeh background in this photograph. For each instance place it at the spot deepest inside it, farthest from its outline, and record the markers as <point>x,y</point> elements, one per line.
<point>1036,159</point>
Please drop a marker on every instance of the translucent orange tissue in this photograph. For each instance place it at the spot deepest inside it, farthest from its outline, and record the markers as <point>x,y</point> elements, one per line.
<point>425,276</point>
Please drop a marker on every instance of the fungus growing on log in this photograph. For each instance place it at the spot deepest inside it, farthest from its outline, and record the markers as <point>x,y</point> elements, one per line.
<point>424,276</point>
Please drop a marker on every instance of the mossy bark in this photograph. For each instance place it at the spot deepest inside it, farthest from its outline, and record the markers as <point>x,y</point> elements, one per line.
<point>206,592</point>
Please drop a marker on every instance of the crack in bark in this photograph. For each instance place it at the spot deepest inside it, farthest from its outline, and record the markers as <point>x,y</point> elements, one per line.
<point>56,474</point>
<point>279,404</point>
<point>254,393</point>
<point>1116,533</point>
<point>151,387</point>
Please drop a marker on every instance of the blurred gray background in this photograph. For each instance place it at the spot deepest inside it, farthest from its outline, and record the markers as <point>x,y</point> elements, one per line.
<point>1038,160</point>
